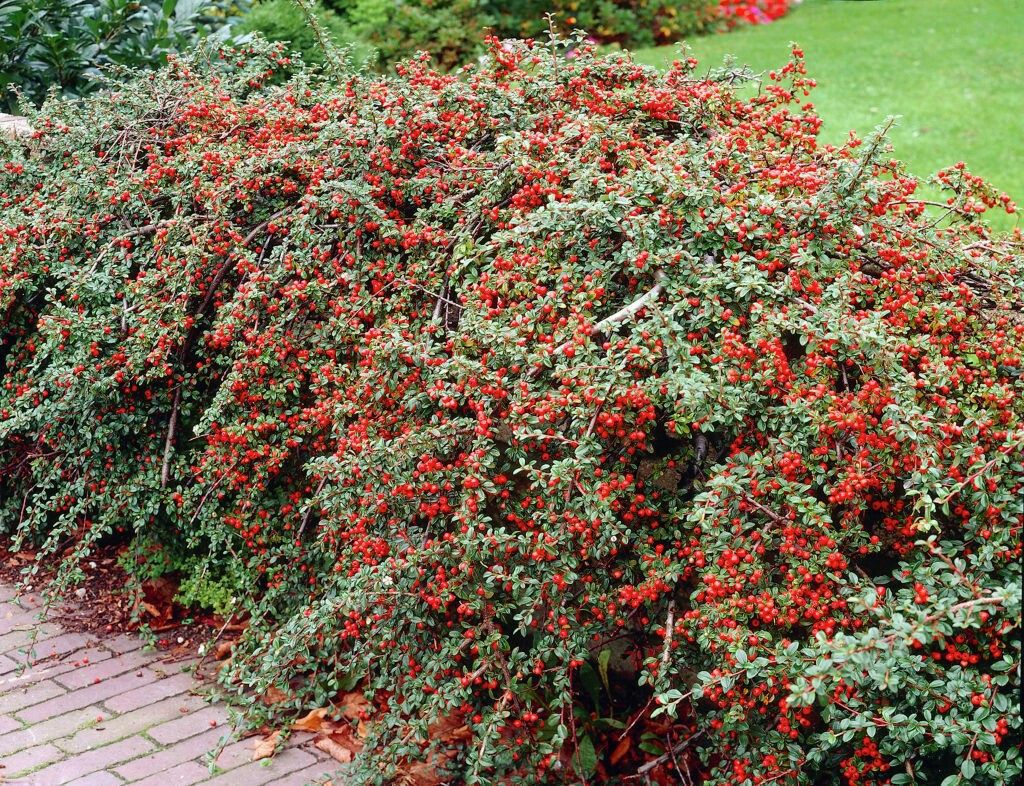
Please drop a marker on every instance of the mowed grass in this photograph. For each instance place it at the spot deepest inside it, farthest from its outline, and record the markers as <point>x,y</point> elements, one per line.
<point>952,70</point>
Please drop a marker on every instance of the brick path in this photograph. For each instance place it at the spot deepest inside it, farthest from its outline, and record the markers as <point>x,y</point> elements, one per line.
<point>102,712</point>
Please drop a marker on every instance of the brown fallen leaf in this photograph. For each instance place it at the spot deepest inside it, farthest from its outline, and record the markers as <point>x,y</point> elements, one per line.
<point>461,734</point>
<point>353,705</point>
<point>451,728</point>
<point>422,774</point>
<point>621,750</point>
<point>265,748</point>
<point>160,592</point>
<point>274,695</point>
<point>314,721</point>
<point>344,736</point>
<point>223,650</point>
<point>334,749</point>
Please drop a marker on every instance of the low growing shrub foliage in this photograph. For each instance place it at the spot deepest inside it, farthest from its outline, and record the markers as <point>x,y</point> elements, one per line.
<point>549,401</point>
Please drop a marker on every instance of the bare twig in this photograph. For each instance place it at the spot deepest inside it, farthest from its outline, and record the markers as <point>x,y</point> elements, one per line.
<point>309,511</point>
<point>674,750</point>
<point>172,427</point>
<point>670,623</point>
<point>227,265</point>
<point>625,312</point>
<point>210,644</point>
<point>869,155</point>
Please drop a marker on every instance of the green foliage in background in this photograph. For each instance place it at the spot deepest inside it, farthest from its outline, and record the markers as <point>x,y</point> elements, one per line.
<point>64,44</point>
<point>628,22</point>
<point>284,21</point>
<point>453,30</point>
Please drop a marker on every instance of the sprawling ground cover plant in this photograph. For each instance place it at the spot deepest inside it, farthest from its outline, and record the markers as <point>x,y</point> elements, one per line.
<point>552,401</point>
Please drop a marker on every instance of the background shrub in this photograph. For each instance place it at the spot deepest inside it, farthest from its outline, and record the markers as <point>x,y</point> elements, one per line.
<point>284,21</point>
<point>67,44</point>
<point>451,30</point>
<point>63,44</point>
<point>631,23</point>
<point>596,418</point>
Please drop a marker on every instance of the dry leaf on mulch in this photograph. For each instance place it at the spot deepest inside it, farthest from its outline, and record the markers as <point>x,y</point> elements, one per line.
<point>450,730</point>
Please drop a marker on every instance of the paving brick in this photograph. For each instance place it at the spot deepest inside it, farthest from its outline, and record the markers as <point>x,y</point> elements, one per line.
<point>47,731</point>
<point>29,759</point>
<point>84,696</point>
<point>30,600</point>
<point>317,773</point>
<point>122,643</point>
<point>183,775</point>
<point>102,668</point>
<point>120,726</point>
<point>236,754</point>
<point>154,730</point>
<point>8,665</point>
<point>97,779</point>
<point>92,761</point>
<point>52,668</point>
<point>12,615</point>
<point>260,772</point>
<point>18,638</point>
<point>30,696</point>
<point>62,644</point>
<point>191,749</point>
<point>193,723</point>
<point>150,692</point>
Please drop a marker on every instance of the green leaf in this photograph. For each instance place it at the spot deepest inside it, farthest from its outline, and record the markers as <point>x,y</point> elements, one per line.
<point>652,747</point>
<point>602,666</point>
<point>586,757</point>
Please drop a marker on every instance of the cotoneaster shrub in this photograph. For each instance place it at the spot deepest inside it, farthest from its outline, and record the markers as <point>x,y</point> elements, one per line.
<point>549,402</point>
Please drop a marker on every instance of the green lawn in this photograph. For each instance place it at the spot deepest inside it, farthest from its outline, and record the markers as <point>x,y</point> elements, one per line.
<point>953,70</point>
